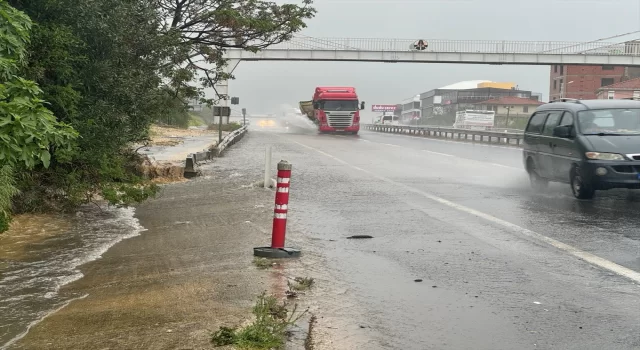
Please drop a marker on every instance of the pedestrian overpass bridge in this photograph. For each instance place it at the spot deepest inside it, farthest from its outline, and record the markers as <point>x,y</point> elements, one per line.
<point>497,52</point>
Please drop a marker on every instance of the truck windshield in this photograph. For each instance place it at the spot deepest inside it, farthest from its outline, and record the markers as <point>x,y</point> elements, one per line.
<point>610,121</point>
<point>339,105</point>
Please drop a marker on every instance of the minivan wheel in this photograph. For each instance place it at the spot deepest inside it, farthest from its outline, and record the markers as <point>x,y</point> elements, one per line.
<point>579,188</point>
<point>537,182</point>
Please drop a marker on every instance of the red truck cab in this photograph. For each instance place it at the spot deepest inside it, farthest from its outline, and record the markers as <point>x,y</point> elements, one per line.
<point>337,109</point>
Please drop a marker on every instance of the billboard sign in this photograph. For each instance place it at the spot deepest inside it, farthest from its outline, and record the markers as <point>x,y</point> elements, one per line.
<point>383,108</point>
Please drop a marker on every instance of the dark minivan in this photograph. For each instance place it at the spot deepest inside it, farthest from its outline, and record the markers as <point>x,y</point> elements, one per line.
<point>589,144</point>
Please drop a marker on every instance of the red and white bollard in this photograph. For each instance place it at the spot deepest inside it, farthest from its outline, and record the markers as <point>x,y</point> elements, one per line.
<point>280,210</point>
<point>282,205</point>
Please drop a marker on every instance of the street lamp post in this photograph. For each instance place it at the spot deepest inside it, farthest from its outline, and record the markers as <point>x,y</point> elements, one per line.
<point>563,88</point>
<point>506,123</point>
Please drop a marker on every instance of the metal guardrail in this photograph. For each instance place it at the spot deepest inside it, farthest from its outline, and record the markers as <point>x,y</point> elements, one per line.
<point>190,165</point>
<point>494,137</point>
<point>301,42</point>
<point>230,139</point>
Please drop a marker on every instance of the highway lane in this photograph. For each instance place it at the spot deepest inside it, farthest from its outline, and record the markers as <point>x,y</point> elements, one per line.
<point>495,154</point>
<point>492,179</point>
<point>485,285</point>
<point>503,191</point>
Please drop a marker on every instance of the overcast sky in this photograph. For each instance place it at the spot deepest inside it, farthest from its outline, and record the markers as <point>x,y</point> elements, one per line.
<point>264,86</point>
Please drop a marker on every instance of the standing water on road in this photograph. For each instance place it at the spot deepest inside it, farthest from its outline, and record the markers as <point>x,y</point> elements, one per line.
<point>42,253</point>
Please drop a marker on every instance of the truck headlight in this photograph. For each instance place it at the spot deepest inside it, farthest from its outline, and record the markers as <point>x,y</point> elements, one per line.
<point>604,156</point>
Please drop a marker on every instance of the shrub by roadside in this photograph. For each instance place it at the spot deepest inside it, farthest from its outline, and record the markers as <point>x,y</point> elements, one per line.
<point>268,330</point>
<point>7,191</point>
<point>226,127</point>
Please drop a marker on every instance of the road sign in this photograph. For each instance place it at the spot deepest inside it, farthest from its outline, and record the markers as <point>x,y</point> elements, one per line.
<point>235,100</point>
<point>420,45</point>
<point>383,108</point>
<point>219,111</point>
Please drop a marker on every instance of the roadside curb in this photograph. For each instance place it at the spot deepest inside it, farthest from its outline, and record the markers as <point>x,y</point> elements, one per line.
<point>301,334</point>
<point>195,159</point>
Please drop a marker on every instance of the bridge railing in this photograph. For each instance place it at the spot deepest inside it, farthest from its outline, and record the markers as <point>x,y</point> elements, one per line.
<point>506,138</point>
<point>462,46</point>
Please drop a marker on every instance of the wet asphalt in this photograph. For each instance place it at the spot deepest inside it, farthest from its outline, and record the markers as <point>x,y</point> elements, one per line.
<point>483,285</point>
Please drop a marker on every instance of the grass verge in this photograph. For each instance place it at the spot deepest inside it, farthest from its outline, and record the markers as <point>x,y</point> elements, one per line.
<point>268,330</point>
<point>226,127</point>
<point>301,283</point>
<point>262,263</point>
<point>196,120</point>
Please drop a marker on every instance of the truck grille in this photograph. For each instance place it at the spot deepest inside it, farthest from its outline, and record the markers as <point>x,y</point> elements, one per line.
<point>340,120</point>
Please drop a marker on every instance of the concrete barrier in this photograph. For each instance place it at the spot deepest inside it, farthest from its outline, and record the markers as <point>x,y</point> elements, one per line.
<point>190,167</point>
<point>192,161</point>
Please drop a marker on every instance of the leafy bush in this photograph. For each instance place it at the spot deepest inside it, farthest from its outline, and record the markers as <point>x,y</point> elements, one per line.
<point>107,69</point>
<point>226,127</point>
<point>266,332</point>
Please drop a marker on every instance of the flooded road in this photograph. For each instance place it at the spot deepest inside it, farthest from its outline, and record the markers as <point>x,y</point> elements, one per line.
<point>464,254</point>
<point>461,220</point>
<point>42,253</point>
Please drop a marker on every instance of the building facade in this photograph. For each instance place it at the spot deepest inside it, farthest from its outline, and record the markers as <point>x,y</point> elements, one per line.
<point>410,111</point>
<point>493,84</point>
<point>439,106</point>
<point>581,82</point>
<point>625,89</point>
<point>511,112</point>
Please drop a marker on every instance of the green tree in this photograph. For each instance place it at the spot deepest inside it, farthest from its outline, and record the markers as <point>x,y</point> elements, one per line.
<point>207,28</point>
<point>111,68</point>
<point>99,65</point>
<point>29,132</point>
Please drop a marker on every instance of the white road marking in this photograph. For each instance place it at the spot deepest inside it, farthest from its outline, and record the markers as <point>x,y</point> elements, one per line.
<point>588,257</point>
<point>440,154</point>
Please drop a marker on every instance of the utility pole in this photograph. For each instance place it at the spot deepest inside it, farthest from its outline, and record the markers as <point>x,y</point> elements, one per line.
<point>220,129</point>
<point>506,124</point>
<point>244,116</point>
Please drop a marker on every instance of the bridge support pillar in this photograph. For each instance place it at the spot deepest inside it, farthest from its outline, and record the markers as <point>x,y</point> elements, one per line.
<point>222,86</point>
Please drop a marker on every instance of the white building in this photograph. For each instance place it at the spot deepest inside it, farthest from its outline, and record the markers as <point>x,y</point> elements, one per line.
<point>410,110</point>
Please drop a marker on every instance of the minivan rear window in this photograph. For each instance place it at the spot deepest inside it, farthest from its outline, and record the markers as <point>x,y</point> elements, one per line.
<point>536,123</point>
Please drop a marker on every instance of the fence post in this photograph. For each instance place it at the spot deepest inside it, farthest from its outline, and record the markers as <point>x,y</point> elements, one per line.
<point>267,167</point>
<point>280,211</point>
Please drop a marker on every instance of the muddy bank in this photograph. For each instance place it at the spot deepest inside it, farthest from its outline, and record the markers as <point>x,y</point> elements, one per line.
<point>173,145</point>
<point>188,274</point>
<point>42,253</point>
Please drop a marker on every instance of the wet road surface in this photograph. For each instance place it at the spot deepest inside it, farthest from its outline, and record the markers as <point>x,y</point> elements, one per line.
<point>492,255</point>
